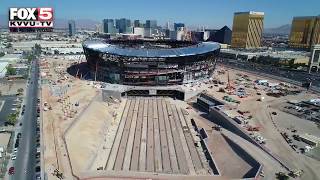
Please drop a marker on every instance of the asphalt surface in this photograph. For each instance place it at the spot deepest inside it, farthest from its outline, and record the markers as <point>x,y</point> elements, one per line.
<point>7,107</point>
<point>25,162</point>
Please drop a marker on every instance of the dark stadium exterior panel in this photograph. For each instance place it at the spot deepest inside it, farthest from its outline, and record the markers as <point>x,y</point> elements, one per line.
<point>150,63</point>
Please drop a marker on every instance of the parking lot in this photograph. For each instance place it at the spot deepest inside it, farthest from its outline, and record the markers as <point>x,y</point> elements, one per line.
<point>8,104</point>
<point>303,109</point>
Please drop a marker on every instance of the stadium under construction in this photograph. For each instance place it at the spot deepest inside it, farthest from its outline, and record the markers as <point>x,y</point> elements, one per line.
<point>150,63</point>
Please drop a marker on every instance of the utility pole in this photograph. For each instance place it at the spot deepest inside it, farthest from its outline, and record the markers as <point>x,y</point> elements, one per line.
<point>95,75</point>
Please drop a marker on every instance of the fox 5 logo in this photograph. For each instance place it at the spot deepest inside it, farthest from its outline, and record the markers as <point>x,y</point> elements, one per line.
<point>31,14</point>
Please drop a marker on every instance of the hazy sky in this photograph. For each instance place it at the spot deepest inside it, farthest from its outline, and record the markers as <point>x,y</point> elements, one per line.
<point>212,13</point>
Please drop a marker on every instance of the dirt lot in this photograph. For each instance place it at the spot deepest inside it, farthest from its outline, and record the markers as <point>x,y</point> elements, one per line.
<point>10,87</point>
<point>271,125</point>
<point>64,112</point>
<point>86,147</point>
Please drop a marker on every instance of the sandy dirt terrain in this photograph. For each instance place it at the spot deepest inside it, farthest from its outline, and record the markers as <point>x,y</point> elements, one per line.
<point>80,138</point>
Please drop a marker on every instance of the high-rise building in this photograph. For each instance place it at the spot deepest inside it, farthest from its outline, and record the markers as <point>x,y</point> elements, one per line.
<point>71,27</point>
<point>178,25</point>
<point>136,23</point>
<point>181,33</point>
<point>168,25</point>
<point>139,31</point>
<point>118,24</point>
<point>247,29</point>
<point>108,26</point>
<point>99,28</point>
<point>152,24</point>
<point>199,35</point>
<point>124,25</point>
<point>305,32</point>
<point>222,35</point>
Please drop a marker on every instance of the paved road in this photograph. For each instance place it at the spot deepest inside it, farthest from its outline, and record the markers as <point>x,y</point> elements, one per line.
<point>25,162</point>
<point>293,77</point>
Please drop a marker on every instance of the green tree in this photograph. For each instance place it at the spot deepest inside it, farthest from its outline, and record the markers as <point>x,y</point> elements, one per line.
<point>37,49</point>
<point>10,70</point>
<point>12,118</point>
<point>29,58</point>
<point>9,45</point>
<point>2,54</point>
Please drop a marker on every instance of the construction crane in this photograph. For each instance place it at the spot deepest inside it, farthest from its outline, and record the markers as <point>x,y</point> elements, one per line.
<point>78,64</point>
<point>230,88</point>
<point>77,73</point>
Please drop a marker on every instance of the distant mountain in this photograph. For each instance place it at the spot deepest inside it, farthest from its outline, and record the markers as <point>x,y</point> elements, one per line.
<point>80,23</point>
<point>283,30</point>
<point>59,23</point>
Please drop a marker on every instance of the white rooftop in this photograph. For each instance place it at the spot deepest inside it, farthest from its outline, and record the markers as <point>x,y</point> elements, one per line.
<point>3,69</point>
<point>10,57</point>
<point>251,13</point>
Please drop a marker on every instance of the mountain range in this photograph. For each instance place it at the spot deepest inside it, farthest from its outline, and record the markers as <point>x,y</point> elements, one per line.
<point>282,30</point>
<point>91,25</point>
<point>59,23</point>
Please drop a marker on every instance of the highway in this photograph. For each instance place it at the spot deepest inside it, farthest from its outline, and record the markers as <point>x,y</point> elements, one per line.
<point>25,162</point>
<point>293,77</point>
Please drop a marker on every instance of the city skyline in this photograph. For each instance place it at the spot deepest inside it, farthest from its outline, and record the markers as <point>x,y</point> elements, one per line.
<point>213,14</point>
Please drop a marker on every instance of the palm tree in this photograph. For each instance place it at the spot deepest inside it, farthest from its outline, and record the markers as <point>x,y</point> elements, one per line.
<point>20,91</point>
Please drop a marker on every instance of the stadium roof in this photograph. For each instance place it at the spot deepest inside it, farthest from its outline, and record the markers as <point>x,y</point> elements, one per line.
<point>200,48</point>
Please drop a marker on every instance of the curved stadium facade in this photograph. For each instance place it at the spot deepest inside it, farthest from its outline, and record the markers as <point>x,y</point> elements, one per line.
<point>150,63</point>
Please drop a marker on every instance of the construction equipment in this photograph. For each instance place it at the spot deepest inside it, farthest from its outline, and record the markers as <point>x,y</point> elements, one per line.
<point>230,99</point>
<point>217,128</point>
<point>295,173</point>
<point>281,175</point>
<point>243,112</point>
<point>253,128</point>
<point>58,174</point>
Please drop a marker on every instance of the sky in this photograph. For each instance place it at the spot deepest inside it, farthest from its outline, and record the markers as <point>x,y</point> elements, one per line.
<point>209,13</point>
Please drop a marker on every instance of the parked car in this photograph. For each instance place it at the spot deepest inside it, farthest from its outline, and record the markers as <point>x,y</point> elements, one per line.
<point>38,169</point>
<point>296,137</point>
<point>11,171</point>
